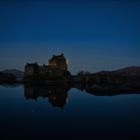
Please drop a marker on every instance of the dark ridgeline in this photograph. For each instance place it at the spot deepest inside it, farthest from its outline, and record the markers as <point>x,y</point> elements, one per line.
<point>7,78</point>
<point>18,73</point>
<point>109,83</point>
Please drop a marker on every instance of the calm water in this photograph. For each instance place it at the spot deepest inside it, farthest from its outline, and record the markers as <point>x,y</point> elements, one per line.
<point>62,113</point>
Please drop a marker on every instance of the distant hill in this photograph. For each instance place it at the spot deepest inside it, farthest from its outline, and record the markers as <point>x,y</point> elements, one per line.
<point>19,74</point>
<point>128,71</point>
<point>131,71</point>
<point>7,78</point>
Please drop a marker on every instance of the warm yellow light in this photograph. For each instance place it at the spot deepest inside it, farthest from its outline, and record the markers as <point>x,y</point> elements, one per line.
<point>67,62</point>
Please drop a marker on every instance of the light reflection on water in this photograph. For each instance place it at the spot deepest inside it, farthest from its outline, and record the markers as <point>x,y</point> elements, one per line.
<point>61,112</point>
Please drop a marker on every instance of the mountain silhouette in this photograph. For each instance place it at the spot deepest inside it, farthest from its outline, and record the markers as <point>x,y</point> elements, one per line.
<point>19,74</point>
<point>134,70</point>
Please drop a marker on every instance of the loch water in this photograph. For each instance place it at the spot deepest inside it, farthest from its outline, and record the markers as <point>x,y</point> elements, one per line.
<point>67,113</point>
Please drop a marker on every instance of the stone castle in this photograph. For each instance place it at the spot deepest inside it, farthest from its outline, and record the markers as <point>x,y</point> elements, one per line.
<point>57,67</point>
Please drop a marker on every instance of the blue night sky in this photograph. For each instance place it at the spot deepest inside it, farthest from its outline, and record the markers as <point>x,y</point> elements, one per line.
<point>94,36</point>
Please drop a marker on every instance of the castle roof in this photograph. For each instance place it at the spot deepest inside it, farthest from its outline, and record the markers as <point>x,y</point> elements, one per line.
<point>31,65</point>
<point>58,57</point>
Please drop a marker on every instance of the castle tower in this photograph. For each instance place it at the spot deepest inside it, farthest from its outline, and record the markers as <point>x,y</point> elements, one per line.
<point>58,62</point>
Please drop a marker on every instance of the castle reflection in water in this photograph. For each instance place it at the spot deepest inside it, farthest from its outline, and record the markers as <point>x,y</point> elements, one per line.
<point>57,95</point>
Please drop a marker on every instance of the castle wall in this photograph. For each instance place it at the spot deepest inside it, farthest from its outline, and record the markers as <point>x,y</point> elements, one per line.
<point>56,68</point>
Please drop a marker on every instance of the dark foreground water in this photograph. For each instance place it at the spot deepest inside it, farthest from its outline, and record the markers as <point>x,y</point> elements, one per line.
<point>57,113</point>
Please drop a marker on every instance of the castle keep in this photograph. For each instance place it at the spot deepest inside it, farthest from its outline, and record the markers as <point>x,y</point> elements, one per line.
<point>57,67</point>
